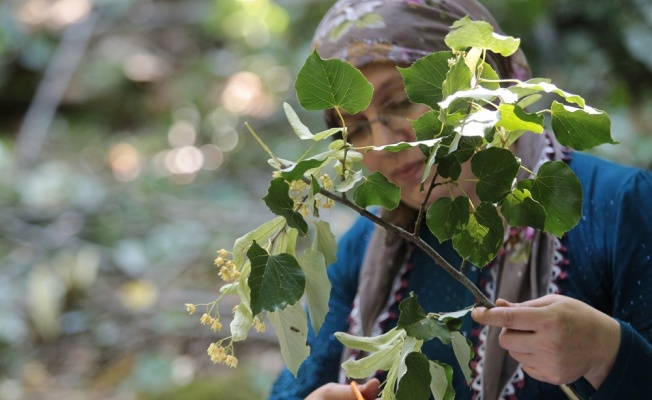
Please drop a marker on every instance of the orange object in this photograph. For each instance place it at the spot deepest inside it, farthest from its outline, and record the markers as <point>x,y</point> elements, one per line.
<point>356,391</point>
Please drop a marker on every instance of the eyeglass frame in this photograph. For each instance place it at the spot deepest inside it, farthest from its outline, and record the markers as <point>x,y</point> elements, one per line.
<point>400,117</point>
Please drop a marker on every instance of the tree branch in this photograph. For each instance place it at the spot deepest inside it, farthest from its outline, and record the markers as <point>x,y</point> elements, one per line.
<point>482,300</point>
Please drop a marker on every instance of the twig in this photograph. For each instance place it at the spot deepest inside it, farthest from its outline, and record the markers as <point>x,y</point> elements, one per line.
<point>422,207</point>
<point>482,300</point>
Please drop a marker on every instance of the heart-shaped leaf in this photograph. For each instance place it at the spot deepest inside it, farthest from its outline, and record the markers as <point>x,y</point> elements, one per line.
<point>495,169</point>
<point>325,84</point>
<point>558,190</point>
<point>480,240</point>
<point>376,190</point>
<point>446,217</point>
<point>276,281</point>
<point>580,128</point>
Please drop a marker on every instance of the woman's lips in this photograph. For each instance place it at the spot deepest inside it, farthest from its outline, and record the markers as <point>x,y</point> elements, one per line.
<point>410,173</point>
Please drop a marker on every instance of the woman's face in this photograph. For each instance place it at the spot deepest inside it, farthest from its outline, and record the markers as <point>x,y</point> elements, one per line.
<point>384,122</point>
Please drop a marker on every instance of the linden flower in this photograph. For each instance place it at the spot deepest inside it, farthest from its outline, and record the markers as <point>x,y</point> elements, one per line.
<point>228,271</point>
<point>298,186</point>
<point>190,308</point>
<point>205,319</point>
<point>217,353</point>
<point>324,202</point>
<point>259,325</point>
<point>326,181</point>
<point>222,253</point>
<point>216,325</point>
<point>219,261</point>
<point>231,361</point>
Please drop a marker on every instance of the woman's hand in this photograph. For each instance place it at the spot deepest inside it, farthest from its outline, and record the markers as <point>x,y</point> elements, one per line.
<point>557,339</point>
<point>333,391</point>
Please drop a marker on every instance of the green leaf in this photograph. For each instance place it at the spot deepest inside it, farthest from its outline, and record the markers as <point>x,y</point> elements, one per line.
<point>467,147</point>
<point>537,85</point>
<point>441,384</point>
<point>241,323</point>
<point>520,209</point>
<point>260,234</point>
<point>349,182</point>
<point>428,126</point>
<point>296,172</point>
<point>371,344</point>
<point>467,33</point>
<point>479,123</point>
<point>480,240</point>
<point>558,190</point>
<point>325,84</point>
<point>411,312</point>
<point>325,242</point>
<point>318,286</point>
<point>417,324</point>
<point>314,189</point>
<point>379,360</point>
<point>326,134</point>
<point>286,242</point>
<point>400,146</point>
<point>276,281</point>
<point>449,167</point>
<point>514,118</point>
<point>280,203</point>
<point>376,190</point>
<point>580,129</point>
<point>424,78</point>
<point>290,326</point>
<point>415,384</point>
<point>302,131</point>
<point>463,350</point>
<point>458,78</point>
<point>488,74</point>
<point>446,217</point>
<point>496,170</point>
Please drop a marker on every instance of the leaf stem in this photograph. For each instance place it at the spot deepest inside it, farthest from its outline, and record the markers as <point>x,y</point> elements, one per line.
<point>346,144</point>
<point>262,144</point>
<point>422,207</point>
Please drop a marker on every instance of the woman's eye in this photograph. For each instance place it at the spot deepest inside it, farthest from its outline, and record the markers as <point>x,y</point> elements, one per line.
<point>356,129</point>
<point>405,105</point>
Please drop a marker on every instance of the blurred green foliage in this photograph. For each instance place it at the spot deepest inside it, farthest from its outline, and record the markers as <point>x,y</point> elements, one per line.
<point>112,209</point>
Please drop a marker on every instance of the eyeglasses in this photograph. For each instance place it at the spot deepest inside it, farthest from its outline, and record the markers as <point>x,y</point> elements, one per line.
<point>394,114</point>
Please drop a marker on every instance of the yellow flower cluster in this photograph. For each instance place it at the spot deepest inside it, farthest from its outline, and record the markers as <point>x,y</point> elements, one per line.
<point>219,354</point>
<point>326,182</point>
<point>213,322</point>
<point>228,270</point>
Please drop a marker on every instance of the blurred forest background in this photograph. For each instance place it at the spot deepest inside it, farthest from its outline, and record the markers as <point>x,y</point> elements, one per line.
<point>123,169</point>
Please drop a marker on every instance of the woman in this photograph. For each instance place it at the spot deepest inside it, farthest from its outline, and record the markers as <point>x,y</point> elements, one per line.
<point>575,310</point>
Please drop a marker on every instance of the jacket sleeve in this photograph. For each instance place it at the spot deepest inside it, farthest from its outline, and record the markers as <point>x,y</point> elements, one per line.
<point>323,363</point>
<point>630,244</point>
<point>627,238</point>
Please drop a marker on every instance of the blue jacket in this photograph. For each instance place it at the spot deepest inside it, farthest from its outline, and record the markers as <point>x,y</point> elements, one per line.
<point>607,263</point>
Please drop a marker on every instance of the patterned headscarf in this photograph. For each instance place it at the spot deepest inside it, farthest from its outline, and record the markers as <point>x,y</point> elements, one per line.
<point>400,32</point>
